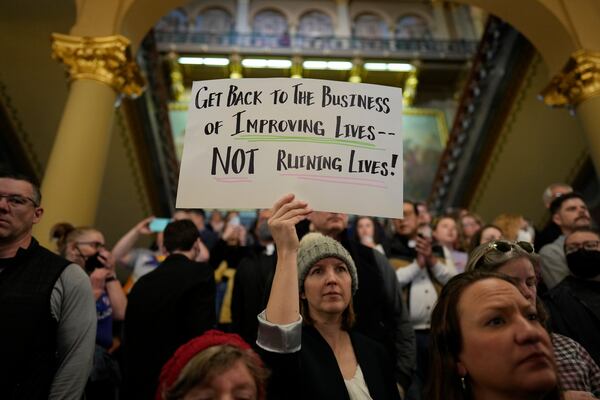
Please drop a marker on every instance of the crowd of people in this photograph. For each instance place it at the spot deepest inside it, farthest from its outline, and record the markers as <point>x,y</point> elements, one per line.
<point>302,304</point>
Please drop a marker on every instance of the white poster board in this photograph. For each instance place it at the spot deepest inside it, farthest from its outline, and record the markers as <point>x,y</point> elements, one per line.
<point>336,145</point>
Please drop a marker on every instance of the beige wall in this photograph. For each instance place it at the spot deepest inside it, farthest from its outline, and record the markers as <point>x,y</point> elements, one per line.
<point>35,84</point>
<point>122,202</point>
<point>37,88</point>
<point>538,146</point>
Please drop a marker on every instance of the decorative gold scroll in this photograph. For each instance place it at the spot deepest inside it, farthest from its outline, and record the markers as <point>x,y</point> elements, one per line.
<point>578,81</point>
<point>105,59</point>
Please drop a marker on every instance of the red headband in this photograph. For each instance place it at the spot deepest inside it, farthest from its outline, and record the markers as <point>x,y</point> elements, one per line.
<point>171,370</point>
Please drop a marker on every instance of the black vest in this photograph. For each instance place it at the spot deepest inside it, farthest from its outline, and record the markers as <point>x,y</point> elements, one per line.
<point>28,359</point>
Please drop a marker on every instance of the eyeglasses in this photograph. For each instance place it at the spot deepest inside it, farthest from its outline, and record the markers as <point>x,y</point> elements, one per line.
<point>587,245</point>
<point>505,246</point>
<point>16,200</point>
<point>95,245</point>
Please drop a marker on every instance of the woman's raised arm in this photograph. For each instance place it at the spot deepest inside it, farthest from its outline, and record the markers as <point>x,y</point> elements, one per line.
<point>284,305</point>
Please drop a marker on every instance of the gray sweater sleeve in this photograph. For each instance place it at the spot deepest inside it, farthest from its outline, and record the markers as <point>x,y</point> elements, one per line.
<point>72,304</point>
<point>554,263</point>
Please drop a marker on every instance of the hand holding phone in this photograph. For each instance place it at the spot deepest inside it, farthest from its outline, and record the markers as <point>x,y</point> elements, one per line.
<point>234,221</point>
<point>158,224</point>
<point>424,231</point>
<point>437,250</point>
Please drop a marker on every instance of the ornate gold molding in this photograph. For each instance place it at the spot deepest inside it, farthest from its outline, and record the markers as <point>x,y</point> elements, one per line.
<point>105,59</point>
<point>177,87</point>
<point>235,66</point>
<point>578,81</point>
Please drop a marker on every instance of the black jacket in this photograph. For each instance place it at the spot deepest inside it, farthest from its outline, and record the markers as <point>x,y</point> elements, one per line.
<point>380,310</point>
<point>574,307</point>
<point>313,372</point>
<point>166,308</point>
<point>252,278</point>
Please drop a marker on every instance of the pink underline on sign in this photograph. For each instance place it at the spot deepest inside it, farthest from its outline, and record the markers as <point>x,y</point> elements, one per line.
<point>330,180</point>
<point>233,180</point>
<point>334,177</point>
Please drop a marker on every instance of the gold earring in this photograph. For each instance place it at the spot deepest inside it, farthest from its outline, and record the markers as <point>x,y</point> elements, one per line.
<point>462,381</point>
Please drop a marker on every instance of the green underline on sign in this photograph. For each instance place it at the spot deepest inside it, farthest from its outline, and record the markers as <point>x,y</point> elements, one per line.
<point>299,139</point>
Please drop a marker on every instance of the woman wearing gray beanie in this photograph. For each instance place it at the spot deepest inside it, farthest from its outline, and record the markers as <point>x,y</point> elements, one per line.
<point>306,330</point>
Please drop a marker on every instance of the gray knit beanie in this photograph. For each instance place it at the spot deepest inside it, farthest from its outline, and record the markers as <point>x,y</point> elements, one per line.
<point>315,247</point>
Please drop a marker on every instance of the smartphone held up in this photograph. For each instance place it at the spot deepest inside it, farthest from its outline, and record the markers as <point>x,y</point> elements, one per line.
<point>158,224</point>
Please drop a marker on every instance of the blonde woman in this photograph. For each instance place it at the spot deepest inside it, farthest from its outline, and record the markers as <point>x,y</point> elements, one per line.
<point>86,246</point>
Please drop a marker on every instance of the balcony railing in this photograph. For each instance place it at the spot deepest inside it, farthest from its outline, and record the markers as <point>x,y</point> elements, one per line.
<point>432,49</point>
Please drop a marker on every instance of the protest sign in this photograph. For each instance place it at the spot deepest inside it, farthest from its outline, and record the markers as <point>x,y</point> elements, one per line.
<point>336,145</point>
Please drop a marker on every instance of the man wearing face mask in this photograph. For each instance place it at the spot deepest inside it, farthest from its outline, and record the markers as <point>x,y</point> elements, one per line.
<point>253,275</point>
<point>574,304</point>
<point>569,212</point>
<point>167,307</point>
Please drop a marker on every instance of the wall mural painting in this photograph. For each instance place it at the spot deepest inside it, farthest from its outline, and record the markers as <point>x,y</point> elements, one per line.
<point>424,134</point>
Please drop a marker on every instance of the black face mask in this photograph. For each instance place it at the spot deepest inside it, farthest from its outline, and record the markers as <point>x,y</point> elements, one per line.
<point>584,264</point>
<point>92,262</point>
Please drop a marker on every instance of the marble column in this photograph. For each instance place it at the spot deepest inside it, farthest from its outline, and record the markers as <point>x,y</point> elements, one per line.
<point>100,70</point>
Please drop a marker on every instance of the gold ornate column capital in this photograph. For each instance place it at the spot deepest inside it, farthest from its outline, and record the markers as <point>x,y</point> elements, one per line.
<point>578,81</point>
<point>105,59</point>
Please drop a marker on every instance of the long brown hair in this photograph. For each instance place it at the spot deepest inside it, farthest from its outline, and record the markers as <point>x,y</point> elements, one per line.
<point>348,316</point>
<point>446,341</point>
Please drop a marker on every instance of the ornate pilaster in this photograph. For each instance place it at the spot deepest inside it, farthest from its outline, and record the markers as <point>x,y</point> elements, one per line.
<point>176,75</point>
<point>105,59</point>
<point>235,66</point>
<point>356,71</point>
<point>409,91</point>
<point>578,81</point>
<point>296,69</point>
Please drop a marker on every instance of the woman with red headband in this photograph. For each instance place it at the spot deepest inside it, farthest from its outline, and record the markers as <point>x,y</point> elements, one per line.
<point>215,365</point>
